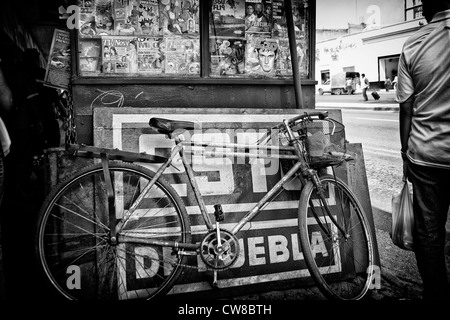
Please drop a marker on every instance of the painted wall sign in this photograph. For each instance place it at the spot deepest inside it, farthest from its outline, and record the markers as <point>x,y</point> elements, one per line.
<point>270,249</point>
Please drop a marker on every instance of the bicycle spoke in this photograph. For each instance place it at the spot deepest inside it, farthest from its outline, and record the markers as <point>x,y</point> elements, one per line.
<point>75,231</point>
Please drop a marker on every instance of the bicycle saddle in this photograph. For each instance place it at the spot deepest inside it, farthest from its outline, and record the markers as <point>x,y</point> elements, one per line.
<point>168,126</point>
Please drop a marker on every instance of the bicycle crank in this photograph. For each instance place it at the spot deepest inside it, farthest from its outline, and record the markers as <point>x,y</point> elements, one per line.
<point>219,249</point>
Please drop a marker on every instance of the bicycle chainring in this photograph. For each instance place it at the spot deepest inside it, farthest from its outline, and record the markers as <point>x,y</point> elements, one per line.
<point>219,257</point>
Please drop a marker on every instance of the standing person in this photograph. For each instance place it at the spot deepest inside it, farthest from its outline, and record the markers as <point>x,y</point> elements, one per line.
<point>387,84</point>
<point>423,93</point>
<point>364,86</point>
<point>394,83</point>
<point>349,85</point>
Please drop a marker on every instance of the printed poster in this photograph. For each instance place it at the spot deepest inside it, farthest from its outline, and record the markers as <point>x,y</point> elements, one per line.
<point>58,70</point>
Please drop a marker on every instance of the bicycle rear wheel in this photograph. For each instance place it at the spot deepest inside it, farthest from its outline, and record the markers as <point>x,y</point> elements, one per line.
<point>74,248</point>
<point>340,253</point>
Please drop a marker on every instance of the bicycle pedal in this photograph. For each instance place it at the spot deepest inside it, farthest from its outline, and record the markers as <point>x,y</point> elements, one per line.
<point>218,213</point>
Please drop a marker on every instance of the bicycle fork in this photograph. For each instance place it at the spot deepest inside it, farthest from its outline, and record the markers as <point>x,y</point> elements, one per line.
<point>111,199</point>
<point>321,193</point>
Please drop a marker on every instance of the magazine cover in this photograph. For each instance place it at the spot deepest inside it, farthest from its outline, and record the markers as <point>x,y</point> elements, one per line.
<point>256,19</point>
<point>90,50</point>
<point>228,18</point>
<point>57,74</point>
<point>189,18</point>
<point>284,63</point>
<point>150,56</point>
<point>86,24</point>
<point>227,57</point>
<point>149,17</point>
<point>126,15</point>
<point>261,56</point>
<point>182,55</point>
<point>121,52</point>
<point>279,28</point>
<point>104,21</point>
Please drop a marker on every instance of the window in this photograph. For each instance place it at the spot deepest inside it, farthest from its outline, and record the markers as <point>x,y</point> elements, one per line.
<point>413,9</point>
<point>161,38</point>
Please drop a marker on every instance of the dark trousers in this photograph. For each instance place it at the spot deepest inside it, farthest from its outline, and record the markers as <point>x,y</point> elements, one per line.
<point>431,203</point>
<point>364,93</point>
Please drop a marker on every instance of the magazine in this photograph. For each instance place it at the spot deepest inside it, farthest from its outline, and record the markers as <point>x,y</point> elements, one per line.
<point>121,52</point>
<point>228,18</point>
<point>90,50</point>
<point>126,15</point>
<point>86,24</point>
<point>104,20</point>
<point>227,57</point>
<point>57,74</point>
<point>279,28</point>
<point>189,17</point>
<point>150,56</point>
<point>261,56</point>
<point>149,17</point>
<point>284,63</point>
<point>182,55</point>
<point>256,20</point>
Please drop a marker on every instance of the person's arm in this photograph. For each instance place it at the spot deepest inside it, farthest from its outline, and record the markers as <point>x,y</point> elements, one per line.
<point>6,100</point>
<point>405,118</point>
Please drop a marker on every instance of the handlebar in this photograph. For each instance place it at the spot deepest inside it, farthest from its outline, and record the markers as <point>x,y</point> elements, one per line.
<point>319,114</point>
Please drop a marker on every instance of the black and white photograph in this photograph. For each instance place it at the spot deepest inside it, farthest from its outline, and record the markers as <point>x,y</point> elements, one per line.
<point>225,158</point>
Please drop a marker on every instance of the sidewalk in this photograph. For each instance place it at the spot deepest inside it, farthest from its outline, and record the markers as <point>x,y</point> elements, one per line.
<point>385,103</point>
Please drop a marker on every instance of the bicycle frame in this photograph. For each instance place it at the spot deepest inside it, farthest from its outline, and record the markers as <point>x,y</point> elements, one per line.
<point>182,147</point>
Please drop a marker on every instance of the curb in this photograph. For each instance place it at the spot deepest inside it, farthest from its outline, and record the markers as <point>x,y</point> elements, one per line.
<point>359,106</point>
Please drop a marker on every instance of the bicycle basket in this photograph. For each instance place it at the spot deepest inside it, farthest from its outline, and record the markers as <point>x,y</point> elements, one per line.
<point>325,142</point>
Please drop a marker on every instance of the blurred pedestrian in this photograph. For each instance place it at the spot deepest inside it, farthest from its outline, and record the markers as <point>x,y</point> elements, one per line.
<point>365,84</point>
<point>424,96</point>
<point>387,84</point>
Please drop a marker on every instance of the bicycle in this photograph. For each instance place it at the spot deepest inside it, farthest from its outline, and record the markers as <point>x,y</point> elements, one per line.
<point>116,218</point>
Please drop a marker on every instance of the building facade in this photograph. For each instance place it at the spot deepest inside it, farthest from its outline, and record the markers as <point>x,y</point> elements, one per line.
<point>373,49</point>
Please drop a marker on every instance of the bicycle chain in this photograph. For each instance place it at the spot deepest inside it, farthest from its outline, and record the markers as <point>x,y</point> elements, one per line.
<point>187,266</point>
<point>71,133</point>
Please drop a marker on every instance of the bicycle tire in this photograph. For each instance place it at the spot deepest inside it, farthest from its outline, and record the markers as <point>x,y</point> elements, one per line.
<point>342,268</point>
<point>72,245</point>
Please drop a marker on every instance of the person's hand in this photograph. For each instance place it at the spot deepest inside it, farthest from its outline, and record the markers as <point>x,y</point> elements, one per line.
<point>405,166</point>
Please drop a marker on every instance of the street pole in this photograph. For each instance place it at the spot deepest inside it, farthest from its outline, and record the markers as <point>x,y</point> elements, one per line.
<point>293,51</point>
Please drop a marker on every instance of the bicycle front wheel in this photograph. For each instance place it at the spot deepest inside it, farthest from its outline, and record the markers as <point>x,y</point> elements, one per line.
<point>336,240</point>
<point>74,247</point>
